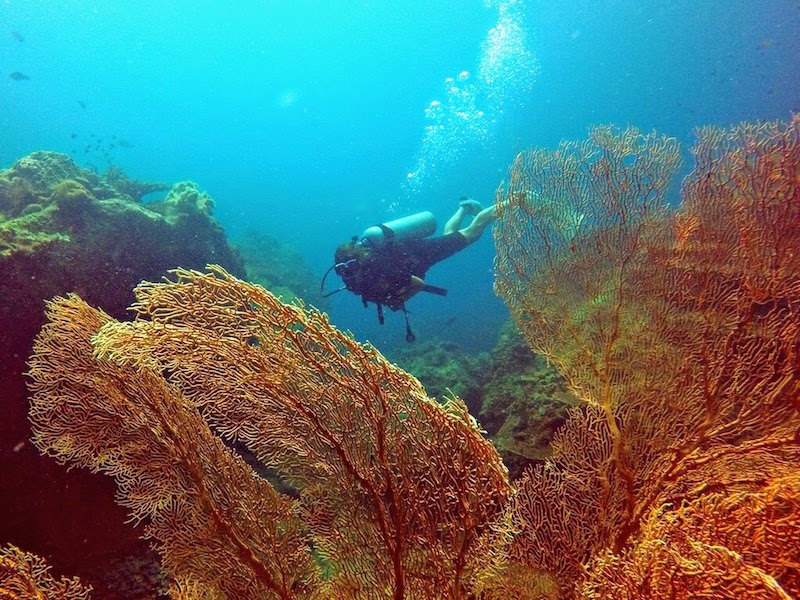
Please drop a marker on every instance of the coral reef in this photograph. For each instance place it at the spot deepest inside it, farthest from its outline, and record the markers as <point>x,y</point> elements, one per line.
<point>444,369</point>
<point>674,475</point>
<point>30,182</point>
<point>125,186</point>
<point>66,229</point>
<point>679,332</point>
<point>183,201</point>
<point>524,401</point>
<point>517,397</point>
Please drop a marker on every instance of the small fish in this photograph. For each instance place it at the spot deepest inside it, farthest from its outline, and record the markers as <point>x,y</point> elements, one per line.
<point>73,135</point>
<point>18,36</point>
<point>17,76</point>
<point>82,105</point>
<point>123,143</point>
<point>765,44</point>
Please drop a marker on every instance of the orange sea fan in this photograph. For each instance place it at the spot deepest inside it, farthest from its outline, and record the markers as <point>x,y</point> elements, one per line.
<point>724,544</point>
<point>681,333</point>
<point>25,576</point>
<point>396,491</point>
<point>211,518</point>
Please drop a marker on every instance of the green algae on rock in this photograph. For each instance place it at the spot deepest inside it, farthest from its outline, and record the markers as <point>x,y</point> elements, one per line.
<point>443,368</point>
<point>275,266</point>
<point>524,402</point>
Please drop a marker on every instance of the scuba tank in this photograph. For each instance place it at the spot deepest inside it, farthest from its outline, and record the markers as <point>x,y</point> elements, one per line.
<point>414,226</point>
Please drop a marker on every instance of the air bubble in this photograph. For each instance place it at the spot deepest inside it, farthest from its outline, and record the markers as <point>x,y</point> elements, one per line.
<point>467,116</point>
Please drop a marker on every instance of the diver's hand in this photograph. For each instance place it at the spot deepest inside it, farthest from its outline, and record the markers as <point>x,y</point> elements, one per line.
<point>470,206</point>
<point>415,285</point>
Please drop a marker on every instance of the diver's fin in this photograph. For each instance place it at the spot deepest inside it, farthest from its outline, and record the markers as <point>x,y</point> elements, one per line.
<point>434,290</point>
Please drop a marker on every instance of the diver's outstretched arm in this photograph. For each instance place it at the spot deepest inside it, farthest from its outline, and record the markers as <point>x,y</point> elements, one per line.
<point>467,206</point>
<point>474,230</point>
<point>415,286</point>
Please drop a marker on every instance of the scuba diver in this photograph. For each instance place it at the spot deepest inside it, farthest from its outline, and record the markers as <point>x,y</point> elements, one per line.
<point>387,264</point>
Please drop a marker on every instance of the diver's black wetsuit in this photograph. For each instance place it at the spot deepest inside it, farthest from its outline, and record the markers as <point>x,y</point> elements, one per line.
<point>384,274</point>
<point>417,256</point>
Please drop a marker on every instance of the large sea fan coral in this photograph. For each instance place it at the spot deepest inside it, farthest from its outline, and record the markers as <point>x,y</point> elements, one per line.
<point>679,330</point>
<point>395,489</point>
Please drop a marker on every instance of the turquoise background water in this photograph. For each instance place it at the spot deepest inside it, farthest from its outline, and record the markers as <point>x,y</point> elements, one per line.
<point>314,120</point>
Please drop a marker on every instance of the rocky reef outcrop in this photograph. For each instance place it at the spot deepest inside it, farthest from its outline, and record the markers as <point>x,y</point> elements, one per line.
<point>443,368</point>
<point>280,269</point>
<point>524,401</point>
<point>516,396</point>
<point>65,229</point>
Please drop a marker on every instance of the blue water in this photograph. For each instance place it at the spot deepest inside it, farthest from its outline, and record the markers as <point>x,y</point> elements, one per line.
<point>313,120</point>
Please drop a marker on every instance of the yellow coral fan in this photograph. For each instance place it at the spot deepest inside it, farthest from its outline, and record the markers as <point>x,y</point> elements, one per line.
<point>724,544</point>
<point>211,517</point>
<point>395,489</point>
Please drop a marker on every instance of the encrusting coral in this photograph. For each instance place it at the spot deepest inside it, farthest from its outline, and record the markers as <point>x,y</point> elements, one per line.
<point>680,331</point>
<point>276,266</point>
<point>395,489</point>
<point>676,477</point>
<point>524,402</point>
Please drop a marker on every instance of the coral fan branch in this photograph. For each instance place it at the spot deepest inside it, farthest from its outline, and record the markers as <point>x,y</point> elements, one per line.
<point>396,490</point>
<point>412,482</point>
<point>25,576</point>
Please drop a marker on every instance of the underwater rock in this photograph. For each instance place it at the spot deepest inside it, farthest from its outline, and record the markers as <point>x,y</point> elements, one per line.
<point>515,395</point>
<point>30,209</point>
<point>184,199</point>
<point>73,202</point>
<point>135,190</point>
<point>23,240</point>
<point>275,266</point>
<point>33,179</point>
<point>444,367</point>
<point>64,229</point>
<point>42,171</point>
<point>16,194</point>
<point>524,402</point>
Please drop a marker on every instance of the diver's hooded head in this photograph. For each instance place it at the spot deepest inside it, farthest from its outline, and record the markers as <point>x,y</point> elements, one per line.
<point>349,252</point>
